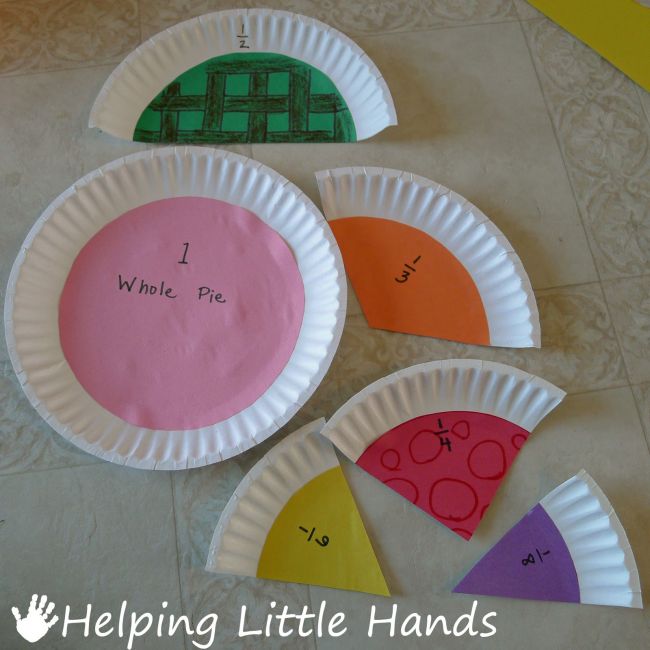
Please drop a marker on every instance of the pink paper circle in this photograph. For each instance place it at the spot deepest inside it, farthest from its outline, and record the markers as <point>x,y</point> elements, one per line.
<point>164,358</point>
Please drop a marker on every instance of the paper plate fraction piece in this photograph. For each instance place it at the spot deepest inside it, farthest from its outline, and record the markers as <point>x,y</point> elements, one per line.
<point>293,518</point>
<point>423,260</point>
<point>443,434</point>
<point>175,307</point>
<point>245,75</point>
<point>570,547</point>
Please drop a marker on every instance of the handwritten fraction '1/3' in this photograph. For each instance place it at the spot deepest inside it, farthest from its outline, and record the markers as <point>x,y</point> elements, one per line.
<point>163,290</point>
<point>408,269</point>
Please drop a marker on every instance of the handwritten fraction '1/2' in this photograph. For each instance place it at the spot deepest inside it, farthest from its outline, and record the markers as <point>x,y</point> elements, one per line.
<point>243,43</point>
<point>163,290</point>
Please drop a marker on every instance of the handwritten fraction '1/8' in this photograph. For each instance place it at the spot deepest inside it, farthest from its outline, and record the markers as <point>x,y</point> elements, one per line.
<point>204,294</point>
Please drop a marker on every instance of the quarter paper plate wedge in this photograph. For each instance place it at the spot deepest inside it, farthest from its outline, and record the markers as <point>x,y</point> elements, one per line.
<point>443,434</point>
<point>175,307</point>
<point>423,260</point>
<point>245,75</point>
<point>570,547</point>
<point>293,518</point>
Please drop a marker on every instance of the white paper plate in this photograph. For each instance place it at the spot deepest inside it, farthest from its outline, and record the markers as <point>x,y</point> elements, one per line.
<point>601,553</point>
<point>505,290</point>
<point>158,61</point>
<point>438,386</point>
<point>44,260</point>
<point>246,520</point>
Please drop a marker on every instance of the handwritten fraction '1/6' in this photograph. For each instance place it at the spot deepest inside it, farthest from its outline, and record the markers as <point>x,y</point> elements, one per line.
<point>163,290</point>
<point>323,541</point>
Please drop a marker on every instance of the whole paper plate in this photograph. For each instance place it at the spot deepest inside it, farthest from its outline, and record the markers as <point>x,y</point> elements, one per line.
<point>175,307</point>
<point>245,75</point>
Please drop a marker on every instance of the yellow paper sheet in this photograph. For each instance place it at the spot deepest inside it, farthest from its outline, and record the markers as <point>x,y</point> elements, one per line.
<point>319,539</point>
<point>619,30</point>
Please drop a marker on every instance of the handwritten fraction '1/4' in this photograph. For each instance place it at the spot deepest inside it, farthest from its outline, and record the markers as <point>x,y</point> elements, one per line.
<point>162,289</point>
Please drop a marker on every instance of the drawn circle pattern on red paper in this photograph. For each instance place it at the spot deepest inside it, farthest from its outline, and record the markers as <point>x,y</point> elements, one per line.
<point>518,440</point>
<point>406,488</point>
<point>465,534</point>
<point>461,429</point>
<point>452,499</point>
<point>424,447</point>
<point>390,459</point>
<point>450,464</point>
<point>487,460</point>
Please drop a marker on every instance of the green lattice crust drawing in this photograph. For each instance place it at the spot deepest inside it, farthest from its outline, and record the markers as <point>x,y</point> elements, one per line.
<point>248,97</point>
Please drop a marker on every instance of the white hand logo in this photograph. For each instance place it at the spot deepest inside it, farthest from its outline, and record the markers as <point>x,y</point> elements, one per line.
<point>35,625</point>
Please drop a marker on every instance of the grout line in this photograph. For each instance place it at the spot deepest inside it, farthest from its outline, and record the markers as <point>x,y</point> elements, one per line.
<point>571,285</point>
<point>432,28</point>
<point>575,198</point>
<point>640,90</point>
<point>172,484</point>
<point>31,73</point>
<point>646,431</point>
<point>139,3</point>
<point>4,474</point>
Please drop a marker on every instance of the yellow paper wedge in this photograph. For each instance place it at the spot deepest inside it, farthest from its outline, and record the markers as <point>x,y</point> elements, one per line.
<point>319,539</point>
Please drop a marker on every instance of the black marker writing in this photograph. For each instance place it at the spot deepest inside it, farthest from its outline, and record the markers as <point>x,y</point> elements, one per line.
<point>323,541</point>
<point>408,269</point>
<point>183,259</point>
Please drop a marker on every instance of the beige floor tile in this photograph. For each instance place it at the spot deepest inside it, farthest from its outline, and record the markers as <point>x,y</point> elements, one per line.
<point>375,17</point>
<point>629,304</point>
<point>27,442</point>
<point>52,34</point>
<point>200,496</point>
<point>525,10</point>
<point>579,352</point>
<point>423,561</point>
<point>605,139</point>
<point>88,535</point>
<point>475,122</point>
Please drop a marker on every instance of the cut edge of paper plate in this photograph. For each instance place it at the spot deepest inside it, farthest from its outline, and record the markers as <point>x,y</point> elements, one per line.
<point>465,231</point>
<point>84,422</point>
<point>596,540</point>
<point>154,64</point>
<point>246,521</point>
<point>435,387</point>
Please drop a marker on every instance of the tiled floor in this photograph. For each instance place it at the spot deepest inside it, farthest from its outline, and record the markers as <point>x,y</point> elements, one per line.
<point>494,101</point>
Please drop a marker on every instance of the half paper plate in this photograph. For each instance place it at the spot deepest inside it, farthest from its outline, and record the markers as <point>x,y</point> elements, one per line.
<point>423,260</point>
<point>293,518</point>
<point>570,547</point>
<point>175,307</point>
<point>443,434</point>
<point>245,75</point>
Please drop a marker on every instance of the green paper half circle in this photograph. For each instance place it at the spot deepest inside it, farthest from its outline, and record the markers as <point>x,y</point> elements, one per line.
<point>248,98</point>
